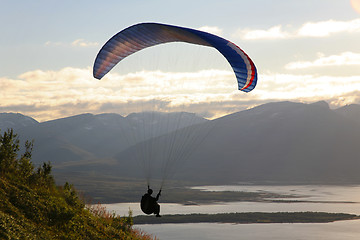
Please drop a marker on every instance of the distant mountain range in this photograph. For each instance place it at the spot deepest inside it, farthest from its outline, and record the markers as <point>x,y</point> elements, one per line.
<point>87,137</point>
<point>282,142</point>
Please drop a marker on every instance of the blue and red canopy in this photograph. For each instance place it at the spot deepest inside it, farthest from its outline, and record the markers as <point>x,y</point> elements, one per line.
<point>143,35</point>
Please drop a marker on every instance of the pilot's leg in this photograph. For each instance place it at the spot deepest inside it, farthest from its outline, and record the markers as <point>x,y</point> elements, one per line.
<point>157,209</point>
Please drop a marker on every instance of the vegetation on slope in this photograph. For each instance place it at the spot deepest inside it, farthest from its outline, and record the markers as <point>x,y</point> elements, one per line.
<point>33,207</point>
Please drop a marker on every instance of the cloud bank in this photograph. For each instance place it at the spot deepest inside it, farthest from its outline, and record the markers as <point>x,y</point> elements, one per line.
<point>309,29</point>
<point>47,95</point>
<point>343,59</point>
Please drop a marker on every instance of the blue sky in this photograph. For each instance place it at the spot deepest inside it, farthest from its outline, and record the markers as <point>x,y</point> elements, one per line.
<point>304,50</point>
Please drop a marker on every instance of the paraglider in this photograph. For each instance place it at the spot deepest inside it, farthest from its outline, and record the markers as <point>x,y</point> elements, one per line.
<point>149,203</point>
<point>143,35</point>
<point>140,36</point>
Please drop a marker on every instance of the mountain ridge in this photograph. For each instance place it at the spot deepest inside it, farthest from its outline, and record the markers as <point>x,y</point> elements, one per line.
<point>274,142</point>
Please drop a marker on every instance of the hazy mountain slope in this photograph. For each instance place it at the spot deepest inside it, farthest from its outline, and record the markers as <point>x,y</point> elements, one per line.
<point>352,112</point>
<point>282,141</point>
<point>15,121</point>
<point>87,138</point>
<point>291,142</point>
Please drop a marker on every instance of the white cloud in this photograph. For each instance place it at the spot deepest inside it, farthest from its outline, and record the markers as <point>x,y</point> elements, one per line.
<point>76,43</point>
<point>211,29</point>
<point>338,91</point>
<point>345,58</point>
<point>82,43</point>
<point>309,29</point>
<point>326,28</point>
<point>271,33</point>
<point>46,95</point>
<point>49,94</point>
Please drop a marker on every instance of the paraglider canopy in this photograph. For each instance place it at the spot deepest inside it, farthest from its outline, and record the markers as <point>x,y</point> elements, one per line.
<point>144,35</point>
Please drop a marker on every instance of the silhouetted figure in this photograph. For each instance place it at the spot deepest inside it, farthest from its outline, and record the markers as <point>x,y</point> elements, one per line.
<point>149,204</point>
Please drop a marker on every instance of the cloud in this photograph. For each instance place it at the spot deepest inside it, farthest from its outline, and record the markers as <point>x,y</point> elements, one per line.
<point>76,43</point>
<point>82,43</point>
<point>271,33</point>
<point>309,29</point>
<point>345,58</point>
<point>47,95</point>
<point>326,28</point>
<point>211,29</point>
<point>308,88</point>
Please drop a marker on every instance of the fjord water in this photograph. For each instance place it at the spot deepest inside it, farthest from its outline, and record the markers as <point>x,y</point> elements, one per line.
<point>344,230</point>
<point>324,198</point>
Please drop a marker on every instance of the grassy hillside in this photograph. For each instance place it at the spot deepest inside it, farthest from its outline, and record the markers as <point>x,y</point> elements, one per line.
<point>33,207</point>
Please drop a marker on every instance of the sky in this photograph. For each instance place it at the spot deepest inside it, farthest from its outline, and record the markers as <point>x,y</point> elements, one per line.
<point>304,51</point>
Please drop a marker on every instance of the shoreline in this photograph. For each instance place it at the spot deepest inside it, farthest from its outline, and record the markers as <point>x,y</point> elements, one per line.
<point>247,218</point>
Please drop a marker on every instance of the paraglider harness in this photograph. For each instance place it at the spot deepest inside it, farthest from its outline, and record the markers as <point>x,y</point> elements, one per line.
<point>149,204</point>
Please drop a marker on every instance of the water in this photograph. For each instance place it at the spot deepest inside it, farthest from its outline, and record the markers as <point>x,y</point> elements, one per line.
<point>344,199</point>
<point>303,192</point>
<point>342,230</point>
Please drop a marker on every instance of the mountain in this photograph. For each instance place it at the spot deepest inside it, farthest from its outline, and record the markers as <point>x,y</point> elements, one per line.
<point>15,121</point>
<point>352,112</point>
<point>276,142</point>
<point>284,142</point>
<point>87,138</point>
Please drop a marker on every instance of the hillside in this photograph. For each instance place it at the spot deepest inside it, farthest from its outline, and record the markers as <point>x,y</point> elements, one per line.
<point>33,207</point>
